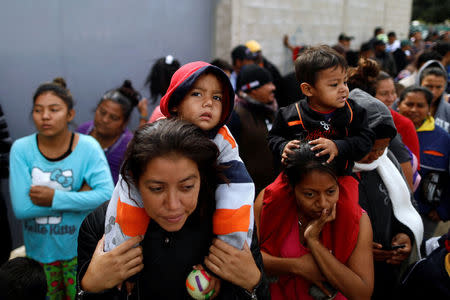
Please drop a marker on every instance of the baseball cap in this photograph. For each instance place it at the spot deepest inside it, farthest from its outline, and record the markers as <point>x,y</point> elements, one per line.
<point>344,37</point>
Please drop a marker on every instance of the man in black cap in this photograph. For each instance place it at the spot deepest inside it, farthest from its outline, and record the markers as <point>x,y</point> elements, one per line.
<point>240,56</point>
<point>343,44</point>
<point>254,113</point>
<point>384,58</point>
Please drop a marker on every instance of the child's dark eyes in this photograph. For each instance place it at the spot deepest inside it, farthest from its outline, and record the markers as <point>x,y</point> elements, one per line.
<point>195,94</point>
<point>218,98</point>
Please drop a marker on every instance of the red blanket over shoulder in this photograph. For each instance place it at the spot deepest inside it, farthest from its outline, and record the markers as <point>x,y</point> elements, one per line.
<point>279,210</point>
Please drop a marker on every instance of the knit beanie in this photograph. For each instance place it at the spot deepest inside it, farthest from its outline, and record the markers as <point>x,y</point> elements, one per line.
<point>251,77</point>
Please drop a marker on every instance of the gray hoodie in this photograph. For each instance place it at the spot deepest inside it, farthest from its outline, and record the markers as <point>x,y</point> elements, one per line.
<point>377,111</point>
<point>442,116</point>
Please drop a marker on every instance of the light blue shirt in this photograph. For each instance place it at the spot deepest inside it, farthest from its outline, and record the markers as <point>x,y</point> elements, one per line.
<point>51,233</point>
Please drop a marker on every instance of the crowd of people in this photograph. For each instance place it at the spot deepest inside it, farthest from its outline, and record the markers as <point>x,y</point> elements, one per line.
<point>326,183</point>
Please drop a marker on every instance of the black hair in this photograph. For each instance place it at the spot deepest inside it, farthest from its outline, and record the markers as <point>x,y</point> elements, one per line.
<point>172,136</point>
<point>436,71</point>
<point>363,76</point>
<point>383,131</point>
<point>377,30</point>
<point>365,47</point>
<point>315,59</point>
<point>22,278</point>
<point>391,33</point>
<point>57,87</point>
<point>161,72</point>
<point>382,76</point>
<point>441,47</point>
<point>426,56</point>
<point>303,161</point>
<point>352,58</point>
<point>222,64</point>
<point>417,89</point>
<point>125,95</point>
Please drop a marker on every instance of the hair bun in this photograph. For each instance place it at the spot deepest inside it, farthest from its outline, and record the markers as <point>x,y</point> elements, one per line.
<point>60,81</point>
<point>368,67</point>
<point>127,84</point>
<point>128,91</point>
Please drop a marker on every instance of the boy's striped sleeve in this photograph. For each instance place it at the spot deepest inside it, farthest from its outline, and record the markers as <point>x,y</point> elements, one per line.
<point>233,219</point>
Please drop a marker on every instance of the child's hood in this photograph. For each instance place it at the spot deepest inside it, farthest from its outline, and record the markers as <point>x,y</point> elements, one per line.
<point>182,81</point>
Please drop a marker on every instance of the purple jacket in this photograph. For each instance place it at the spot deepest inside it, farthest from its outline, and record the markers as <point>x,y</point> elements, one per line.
<point>115,153</point>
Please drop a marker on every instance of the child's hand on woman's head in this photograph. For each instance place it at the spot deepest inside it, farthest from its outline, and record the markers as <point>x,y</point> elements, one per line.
<point>214,283</point>
<point>288,150</point>
<point>314,228</point>
<point>327,146</point>
<point>41,195</point>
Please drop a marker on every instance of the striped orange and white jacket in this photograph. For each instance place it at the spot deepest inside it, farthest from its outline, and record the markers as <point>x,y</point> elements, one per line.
<point>232,221</point>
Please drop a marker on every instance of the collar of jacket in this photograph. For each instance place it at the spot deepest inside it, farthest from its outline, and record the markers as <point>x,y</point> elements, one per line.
<point>427,125</point>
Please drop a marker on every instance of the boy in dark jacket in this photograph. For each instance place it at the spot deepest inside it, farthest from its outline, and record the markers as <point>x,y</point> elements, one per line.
<point>327,119</point>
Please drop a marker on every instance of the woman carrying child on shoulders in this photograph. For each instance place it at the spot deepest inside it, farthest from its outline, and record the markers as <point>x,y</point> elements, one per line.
<point>175,169</point>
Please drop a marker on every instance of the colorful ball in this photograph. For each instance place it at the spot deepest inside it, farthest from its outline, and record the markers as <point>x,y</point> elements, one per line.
<point>196,282</point>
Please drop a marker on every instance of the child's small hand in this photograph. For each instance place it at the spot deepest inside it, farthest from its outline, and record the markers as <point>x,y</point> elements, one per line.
<point>214,283</point>
<point>288,150</point>
<point>328,146</point>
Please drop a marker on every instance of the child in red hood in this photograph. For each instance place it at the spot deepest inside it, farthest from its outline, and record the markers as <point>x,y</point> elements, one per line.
<point>201,94</point>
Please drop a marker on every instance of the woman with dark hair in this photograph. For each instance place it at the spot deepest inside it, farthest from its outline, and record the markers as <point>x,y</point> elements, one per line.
<point>109,126</point>
<point>433,76</point>
<point>310,233</point>
<point>385,92</point>
<point>56,178</point>
<point>174,166</point>
<point>433,193</point>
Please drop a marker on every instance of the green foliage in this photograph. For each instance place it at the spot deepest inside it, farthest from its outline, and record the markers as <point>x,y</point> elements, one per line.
<point>431,11</point>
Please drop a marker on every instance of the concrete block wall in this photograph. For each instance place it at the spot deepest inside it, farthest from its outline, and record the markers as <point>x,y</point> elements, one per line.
<point>307,22</point>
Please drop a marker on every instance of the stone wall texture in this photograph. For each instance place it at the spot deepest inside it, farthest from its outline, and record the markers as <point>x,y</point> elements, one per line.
<point>307,22</point>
